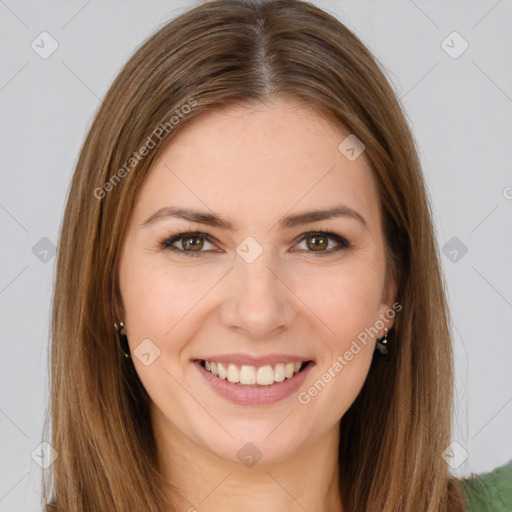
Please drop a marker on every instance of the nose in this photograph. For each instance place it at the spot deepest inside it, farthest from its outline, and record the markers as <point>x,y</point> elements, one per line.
<point>257,301</point>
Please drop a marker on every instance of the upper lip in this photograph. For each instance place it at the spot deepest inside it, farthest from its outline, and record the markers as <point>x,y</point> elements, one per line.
<point>248,360</point>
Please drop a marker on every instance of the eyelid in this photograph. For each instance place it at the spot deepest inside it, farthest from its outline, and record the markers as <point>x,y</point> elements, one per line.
<point>166,243</point>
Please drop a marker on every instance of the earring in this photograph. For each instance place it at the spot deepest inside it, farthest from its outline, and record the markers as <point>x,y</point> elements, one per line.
<point>381,345</point>
<point>123,340</point>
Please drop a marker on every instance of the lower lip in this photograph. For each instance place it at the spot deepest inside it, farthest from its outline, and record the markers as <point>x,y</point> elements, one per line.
<point>254,395</point>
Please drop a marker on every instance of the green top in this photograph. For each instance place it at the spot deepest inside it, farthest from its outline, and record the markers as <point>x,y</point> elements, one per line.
<point>489,492</point>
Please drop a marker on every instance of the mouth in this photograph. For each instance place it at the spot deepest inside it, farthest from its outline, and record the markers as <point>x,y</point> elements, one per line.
<point>249,375</point>
<point>261,383</point>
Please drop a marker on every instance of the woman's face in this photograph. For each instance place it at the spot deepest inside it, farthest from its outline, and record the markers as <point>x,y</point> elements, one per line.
<point>257,287</point>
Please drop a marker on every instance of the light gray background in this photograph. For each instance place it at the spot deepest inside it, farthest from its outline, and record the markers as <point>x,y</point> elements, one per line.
<point>460,111</point>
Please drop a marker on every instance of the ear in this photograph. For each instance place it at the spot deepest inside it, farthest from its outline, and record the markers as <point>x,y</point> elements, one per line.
<point>117,307</point>
<point>389,307</point>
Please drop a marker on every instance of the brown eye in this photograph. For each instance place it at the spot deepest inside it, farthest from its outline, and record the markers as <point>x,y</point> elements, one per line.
<point>192,243</point>
<point>323,243</point>
<point>315,242</point>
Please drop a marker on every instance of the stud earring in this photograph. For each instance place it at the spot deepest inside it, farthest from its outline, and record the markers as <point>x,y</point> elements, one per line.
<point>123,340</point>
<point>381,345</point>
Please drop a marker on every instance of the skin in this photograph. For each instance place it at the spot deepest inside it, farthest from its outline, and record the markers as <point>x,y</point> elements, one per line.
<point>253,166</point>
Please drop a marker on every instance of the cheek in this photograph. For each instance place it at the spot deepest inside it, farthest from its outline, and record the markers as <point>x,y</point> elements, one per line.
<point>156,306</point>
<point>341,300</point>
<point>346,300</point>
<point>347,303</point>
<point>153,302</point>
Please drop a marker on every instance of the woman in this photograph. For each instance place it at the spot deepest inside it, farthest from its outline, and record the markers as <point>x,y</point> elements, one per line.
<point>248,306</point>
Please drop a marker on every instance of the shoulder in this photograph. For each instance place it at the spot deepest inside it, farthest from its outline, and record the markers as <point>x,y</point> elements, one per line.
<point>489,492</point>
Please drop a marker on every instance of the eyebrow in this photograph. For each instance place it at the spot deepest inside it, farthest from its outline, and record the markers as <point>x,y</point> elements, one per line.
<point>290,221</point>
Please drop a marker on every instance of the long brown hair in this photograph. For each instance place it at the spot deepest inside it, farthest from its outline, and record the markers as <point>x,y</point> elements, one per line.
<point>228,52</point>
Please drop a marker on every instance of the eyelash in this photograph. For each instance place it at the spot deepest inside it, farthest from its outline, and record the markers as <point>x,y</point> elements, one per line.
<point>167,242</point>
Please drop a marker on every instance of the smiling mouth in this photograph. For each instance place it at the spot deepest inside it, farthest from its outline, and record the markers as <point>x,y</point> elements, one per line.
<point>247,375</point>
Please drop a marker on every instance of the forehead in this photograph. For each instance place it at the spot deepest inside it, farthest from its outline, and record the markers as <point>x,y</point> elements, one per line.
<point>278,156</point>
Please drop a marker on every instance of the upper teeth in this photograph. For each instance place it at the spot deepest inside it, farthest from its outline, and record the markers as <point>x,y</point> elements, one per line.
<point>250,375</point>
